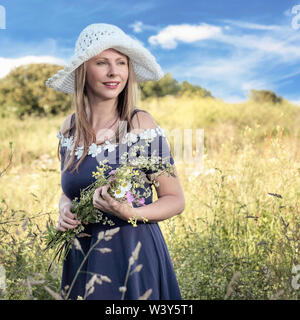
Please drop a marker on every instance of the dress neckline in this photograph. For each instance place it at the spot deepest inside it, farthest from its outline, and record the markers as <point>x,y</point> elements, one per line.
<point>128,139</point>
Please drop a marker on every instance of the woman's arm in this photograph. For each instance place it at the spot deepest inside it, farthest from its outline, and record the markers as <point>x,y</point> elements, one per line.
<point>169,192</point>
<point>170,201</point>
<point>63,202</point>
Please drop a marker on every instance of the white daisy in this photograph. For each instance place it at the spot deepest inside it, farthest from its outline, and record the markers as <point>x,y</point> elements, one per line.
<point>69,143</point>
<point>148,134</point>
<point>119,193</point>
<point>126,186</point>
<point>109,146</point>
<point>131,138</point>
<point>79,152</point>
<point>94,150</point>
<point>63,141</point>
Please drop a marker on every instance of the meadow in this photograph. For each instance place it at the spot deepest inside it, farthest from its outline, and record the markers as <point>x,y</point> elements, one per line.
<point>239,235</point>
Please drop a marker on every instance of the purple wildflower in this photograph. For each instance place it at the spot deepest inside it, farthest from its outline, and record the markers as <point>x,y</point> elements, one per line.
<point>129,196</point>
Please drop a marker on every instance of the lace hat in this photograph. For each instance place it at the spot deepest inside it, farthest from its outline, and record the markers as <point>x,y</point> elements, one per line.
<point>96,38</point>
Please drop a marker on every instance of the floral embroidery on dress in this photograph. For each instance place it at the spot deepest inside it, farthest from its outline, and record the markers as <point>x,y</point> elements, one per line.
<point>148,134</point>
<point>109,146</point>
<point>79,152</point>
<point>68,142</point>
<point>94,150</point>
<point>130,138</point>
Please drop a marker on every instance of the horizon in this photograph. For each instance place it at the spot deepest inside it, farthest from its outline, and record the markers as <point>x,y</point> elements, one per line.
<point>226,48</point>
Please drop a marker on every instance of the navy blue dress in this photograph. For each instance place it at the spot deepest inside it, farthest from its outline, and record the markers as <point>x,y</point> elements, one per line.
<point>106,269</point>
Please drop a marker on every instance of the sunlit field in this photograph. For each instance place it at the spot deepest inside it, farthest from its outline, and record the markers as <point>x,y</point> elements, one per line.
<point>239,235</point>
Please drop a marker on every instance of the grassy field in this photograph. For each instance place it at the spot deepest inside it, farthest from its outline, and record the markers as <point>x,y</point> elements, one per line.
<point>239,235</point>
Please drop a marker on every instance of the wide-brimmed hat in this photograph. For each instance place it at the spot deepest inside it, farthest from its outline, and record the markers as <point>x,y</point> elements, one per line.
<point>96,38</point>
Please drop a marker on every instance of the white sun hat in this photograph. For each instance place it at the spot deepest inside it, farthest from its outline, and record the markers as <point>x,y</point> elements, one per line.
<point>96,38</point>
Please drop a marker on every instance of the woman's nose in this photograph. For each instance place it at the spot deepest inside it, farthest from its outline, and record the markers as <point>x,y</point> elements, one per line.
<point>112,70</point>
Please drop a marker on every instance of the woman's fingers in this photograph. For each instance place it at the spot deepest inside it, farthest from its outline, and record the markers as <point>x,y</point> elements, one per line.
<point>60,228</point>
<point>71,221</point>
<point>97,200</point>
<point>103,201</point>
<point>70,215</point>
<point>105,195</point>
<point>67,225</point>
<point>67,220</point>
<point>67,212</point>
<point>63,226</point>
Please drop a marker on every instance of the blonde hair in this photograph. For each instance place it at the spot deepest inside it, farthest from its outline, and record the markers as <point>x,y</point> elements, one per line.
<point>127,101</point>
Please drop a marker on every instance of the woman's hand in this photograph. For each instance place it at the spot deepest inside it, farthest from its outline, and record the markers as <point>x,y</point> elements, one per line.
<point>104,202</point>
<point>67,219</point>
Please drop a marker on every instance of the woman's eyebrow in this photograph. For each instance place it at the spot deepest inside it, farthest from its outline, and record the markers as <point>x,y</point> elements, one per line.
<point>108,58</point>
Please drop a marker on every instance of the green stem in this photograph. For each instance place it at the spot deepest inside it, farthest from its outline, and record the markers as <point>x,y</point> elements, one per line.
<point>81,265</point>
<point>125,283</point>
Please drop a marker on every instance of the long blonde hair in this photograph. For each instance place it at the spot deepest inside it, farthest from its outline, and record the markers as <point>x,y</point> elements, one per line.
<point>127,101</point>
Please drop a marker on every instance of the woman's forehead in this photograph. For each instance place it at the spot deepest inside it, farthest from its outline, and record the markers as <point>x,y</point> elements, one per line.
<point>110,52</point>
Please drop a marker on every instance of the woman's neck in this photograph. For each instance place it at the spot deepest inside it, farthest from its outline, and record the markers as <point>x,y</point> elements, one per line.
<point>102,112</point>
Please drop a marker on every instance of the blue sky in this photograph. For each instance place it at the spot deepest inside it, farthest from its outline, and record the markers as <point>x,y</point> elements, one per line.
<point>225,46</point>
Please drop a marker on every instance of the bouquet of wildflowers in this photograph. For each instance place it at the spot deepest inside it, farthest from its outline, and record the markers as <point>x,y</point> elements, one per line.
<point>124,182</point>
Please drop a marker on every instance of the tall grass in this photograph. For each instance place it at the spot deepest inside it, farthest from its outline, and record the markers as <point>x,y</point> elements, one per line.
<point>238,237</point>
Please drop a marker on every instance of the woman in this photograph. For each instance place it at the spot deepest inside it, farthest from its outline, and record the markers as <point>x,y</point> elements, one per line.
<point>103,76</point>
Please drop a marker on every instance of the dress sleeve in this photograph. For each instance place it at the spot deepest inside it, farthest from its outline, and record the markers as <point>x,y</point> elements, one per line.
<point>61,150</point>
<point>152,144</point>
<point>65,143</point>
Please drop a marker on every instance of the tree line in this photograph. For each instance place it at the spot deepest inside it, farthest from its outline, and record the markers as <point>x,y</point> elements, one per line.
<point>23,91</point>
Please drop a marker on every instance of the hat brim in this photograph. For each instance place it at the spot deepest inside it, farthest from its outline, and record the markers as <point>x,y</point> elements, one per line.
<point>144,64</point>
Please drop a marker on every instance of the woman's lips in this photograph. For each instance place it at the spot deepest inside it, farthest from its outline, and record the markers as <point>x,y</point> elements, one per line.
<point>111,86</point>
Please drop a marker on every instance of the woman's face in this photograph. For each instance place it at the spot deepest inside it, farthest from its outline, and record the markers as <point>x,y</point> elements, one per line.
<point>107,74</point>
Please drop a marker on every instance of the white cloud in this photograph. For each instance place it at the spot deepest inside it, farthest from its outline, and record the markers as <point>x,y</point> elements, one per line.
<point>253,26</point>
<point>6,64</point>
<point>271,44</point>
<point>139,26</point>
<point>169,37</point>
<point>276,40</point>
<point>227,77</point>
<point>243,56</point>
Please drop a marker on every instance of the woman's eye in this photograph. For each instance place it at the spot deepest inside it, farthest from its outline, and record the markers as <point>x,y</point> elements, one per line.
<point>102,62</point>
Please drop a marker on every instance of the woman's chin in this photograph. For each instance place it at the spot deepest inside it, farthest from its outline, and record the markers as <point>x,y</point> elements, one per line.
<point>108,96</point>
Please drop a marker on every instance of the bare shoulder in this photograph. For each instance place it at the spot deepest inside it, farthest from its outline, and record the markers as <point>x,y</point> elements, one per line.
<point>65,127</point>
<point>143,120</point>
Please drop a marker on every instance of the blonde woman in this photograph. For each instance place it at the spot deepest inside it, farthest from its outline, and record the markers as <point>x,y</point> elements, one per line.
<point>103,76</point>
